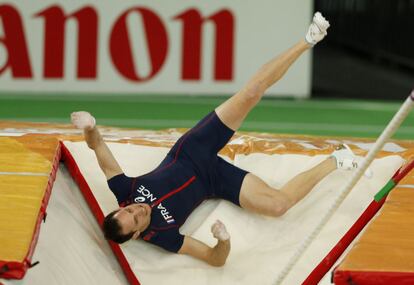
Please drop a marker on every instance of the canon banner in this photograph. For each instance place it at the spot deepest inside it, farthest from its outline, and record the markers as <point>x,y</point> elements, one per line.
<point>148,46</point>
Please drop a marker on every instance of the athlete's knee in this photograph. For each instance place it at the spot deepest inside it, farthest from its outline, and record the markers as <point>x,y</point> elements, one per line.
<point>253,92</point>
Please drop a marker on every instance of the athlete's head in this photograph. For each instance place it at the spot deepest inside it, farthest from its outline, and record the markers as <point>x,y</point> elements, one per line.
<point>127,222</point>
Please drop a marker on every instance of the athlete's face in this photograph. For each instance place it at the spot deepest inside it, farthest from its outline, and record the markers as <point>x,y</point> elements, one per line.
<point>134,218</point>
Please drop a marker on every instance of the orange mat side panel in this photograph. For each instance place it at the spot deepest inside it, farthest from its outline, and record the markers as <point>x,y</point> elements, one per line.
<point>386,249</point>
<point>27,172</point>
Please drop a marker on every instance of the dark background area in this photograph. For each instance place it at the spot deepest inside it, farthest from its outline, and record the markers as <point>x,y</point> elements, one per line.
<point>369,51</point>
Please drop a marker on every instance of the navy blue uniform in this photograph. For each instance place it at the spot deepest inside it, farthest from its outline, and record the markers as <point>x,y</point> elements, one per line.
<point>190,173</point>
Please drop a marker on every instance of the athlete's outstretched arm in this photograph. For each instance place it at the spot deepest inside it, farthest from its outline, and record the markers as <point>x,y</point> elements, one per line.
<point>215,256</point>
<point>106,160</point>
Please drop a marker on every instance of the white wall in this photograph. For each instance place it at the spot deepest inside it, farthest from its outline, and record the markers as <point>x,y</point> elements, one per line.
<point>262,29</point>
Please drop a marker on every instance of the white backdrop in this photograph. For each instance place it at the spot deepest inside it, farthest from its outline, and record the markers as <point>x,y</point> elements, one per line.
<point>261,29</point>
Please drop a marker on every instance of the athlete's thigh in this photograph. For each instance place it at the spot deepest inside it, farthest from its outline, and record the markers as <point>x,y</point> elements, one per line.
<point>228,180</point>
<point>234,110</point>
<point>258,197</point>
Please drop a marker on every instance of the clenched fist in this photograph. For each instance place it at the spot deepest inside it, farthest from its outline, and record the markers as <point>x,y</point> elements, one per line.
<point>317,29</point>
<point>219,231</point>
<point>83,120</point>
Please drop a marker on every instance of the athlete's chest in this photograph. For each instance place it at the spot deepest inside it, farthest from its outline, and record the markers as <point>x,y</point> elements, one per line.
<point>166,197</point>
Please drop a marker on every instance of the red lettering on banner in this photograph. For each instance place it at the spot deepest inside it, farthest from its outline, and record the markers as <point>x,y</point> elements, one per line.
<point>224,44</point>
<point>55,19</point>
<point>224,48</point>
<point>155,37</point>
<point>157,41</point>
<point>15,42</point>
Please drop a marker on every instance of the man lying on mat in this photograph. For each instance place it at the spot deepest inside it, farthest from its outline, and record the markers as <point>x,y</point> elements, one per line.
<point>154,206</point>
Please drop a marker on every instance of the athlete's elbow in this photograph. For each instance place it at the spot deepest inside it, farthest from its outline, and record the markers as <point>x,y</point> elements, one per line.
<point>277,212</point>
<point>279,208</point>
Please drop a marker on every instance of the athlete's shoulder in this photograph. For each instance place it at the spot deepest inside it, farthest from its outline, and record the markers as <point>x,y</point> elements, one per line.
<point>121,185</point>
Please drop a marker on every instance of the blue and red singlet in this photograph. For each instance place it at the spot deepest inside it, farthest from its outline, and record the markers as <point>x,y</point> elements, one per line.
<point>190,173</point>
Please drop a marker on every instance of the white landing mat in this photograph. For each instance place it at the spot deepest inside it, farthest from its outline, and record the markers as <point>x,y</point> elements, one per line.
<point>261,246</point>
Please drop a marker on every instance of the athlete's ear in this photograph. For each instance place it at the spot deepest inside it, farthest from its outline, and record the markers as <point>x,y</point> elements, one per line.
<point>136,235</point>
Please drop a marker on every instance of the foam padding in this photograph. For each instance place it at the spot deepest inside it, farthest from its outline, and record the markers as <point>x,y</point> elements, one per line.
<point>16,156</point>
<point>393,233</point>
<point>260,245</point>
<point>96,211</point>
<point>385,253</point>
<point>20,197</point>
<point>27,171</point>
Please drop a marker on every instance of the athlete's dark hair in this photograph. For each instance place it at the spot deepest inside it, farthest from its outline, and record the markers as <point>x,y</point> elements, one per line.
<point>112,229</point>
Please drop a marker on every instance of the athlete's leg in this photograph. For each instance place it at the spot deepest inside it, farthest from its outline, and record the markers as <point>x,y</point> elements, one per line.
<point>257,196</point>
<point>233,111</point>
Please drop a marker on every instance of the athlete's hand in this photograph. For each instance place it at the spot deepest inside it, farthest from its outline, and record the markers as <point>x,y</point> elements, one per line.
<point>219,231</point>
<point>83,120</point>
<point>317,29</point>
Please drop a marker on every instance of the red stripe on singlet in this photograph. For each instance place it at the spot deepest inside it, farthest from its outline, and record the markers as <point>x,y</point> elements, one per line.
<point>176,154</point>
